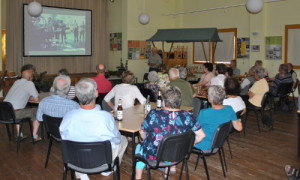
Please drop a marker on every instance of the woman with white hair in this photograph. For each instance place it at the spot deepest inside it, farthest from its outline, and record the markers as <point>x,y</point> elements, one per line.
<point>152,85</point>
<point>210,119</point>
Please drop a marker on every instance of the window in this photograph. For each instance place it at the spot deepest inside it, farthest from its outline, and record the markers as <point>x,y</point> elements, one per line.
<point>292,43</point>
<point>217,52</point>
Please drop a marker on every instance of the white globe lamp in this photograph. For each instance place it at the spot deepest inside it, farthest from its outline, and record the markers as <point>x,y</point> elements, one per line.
<point>144,18</point>
<point>34,9</point>
<point>254,6</point>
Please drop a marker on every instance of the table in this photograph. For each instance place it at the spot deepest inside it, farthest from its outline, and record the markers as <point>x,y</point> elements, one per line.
<point>131,124</point>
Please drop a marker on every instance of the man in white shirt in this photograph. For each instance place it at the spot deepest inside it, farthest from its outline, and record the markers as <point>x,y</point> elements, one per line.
<point>220,78</point>
<point>22,91</point>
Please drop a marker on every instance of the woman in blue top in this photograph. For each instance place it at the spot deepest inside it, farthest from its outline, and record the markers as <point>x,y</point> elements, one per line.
<point>210,119</point>
<point>161,122</point>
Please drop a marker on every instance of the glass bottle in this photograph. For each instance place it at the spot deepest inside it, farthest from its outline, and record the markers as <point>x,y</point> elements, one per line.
<point>147,105</point>
<point>120,111</point>
<point>159,101</point>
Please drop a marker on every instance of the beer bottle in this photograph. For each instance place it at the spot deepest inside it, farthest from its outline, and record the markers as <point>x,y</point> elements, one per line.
<point>159,101</point>
<point>120,110</point>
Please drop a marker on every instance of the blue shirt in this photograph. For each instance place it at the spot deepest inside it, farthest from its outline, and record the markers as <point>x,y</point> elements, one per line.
<point>210,119</point>
<point>93,125</point>
<point>55,106</point>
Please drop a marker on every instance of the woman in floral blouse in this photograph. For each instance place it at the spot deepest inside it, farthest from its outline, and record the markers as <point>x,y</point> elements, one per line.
<point>161,122</point>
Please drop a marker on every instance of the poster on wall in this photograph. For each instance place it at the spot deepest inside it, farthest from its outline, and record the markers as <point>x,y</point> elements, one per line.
<point>243,47</point>
<point>274,47</point>
<point>115,41</point>
<point>139,49</point>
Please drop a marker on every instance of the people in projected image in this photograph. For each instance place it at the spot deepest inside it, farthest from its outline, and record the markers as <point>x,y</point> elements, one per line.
<point>76,31</point>
<point>82,32</point>
<point>63,32</point>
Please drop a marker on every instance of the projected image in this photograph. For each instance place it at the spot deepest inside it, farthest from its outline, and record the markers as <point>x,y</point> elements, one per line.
<point>57,32</point>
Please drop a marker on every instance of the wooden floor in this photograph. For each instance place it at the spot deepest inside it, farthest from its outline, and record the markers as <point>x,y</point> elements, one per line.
<point>255,156</point>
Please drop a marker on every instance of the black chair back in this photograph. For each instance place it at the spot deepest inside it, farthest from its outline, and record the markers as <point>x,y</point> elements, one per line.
<point>264,101</point>
<point>284,89</point>
<point>100,98</point>
<point>87,157</point>
<point>145,78</point>
<point>52,126</point>
<point>7,113</point>
<point>145,92</point>
<point>105,106</point>
<point>221,134</point>
<point>175,147</point>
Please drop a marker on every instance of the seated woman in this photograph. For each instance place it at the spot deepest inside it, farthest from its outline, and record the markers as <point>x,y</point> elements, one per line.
<point>207,76</point>
<point>259,88</point>
<point>210,119</point>
<point>161,122</point>
<point>163,77</point>
<point>152,77</point>
<point>125,91</point>
<point>232,89</point>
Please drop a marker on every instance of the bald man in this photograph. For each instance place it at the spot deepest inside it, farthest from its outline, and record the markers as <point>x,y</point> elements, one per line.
<point>154,60</point>
<point>19,94</point>
<point>103,84</point>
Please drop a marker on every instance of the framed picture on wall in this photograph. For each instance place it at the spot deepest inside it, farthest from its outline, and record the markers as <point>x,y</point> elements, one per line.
<point>255,48</point>
<point>274,47</point>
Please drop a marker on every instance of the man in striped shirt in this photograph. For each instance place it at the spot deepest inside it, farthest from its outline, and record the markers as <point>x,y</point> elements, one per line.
<point>56,105</point>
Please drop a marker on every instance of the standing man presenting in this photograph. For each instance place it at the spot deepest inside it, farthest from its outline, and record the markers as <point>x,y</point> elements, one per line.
<point>154,60</point>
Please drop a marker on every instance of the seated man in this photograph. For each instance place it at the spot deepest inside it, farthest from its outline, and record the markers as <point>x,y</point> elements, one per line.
<point>20,93</point>
<point>236,71</point>
<point>56,105</point>
<point>184,86</point>
<point>282,77</point>
<point>89,123</point>
<point>103,84</point>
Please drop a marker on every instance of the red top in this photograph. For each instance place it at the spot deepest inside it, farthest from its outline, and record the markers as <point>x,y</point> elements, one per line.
<point>103,84</point>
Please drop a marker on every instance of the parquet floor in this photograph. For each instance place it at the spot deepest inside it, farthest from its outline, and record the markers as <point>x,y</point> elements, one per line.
<point>255,156</point>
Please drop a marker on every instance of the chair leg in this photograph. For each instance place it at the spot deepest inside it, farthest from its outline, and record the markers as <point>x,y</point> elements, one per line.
<point>229,147</point>
<point>222,164</point>
<point>205,167</point>
<point>72,174</point>
<point>197,162</point>
<point>244,125</point>
<point>48,153</point>
<point>148,173</point>
<point>181,169</point>
<point>224,160</point>
<point>118,168</point>
<point>65,173</point>
<point>187,170</point>
<point>8,132</point>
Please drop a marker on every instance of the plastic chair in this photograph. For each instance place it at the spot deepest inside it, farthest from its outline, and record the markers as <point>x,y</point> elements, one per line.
<point>100,98</point>
<point>241,116</point>
<point>174,148</point>
<point>283,92</point>
<point>88,158</point>
<point>261,109</point>
<point>145,77</point>
<point>8,117</point>
<point>220,136</point>
<point>52,127</point>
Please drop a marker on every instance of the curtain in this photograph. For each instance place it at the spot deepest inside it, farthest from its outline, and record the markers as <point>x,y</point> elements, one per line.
<point>74,64</point>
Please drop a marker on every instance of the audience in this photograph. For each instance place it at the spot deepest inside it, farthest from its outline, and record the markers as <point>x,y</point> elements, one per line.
<point>258,63</point>
<point>182,73</point>
<point>71,93</point>
<point>248,82</point>
<point>152,78</point>
<point>293,73</point>
<point>282,77</point>
<point>232,90</point>
<point>163,77</point>
<point>207,76</point>
<point>57,104</point>
<point>159,123</point>
<point>89,124</point>
<point>125,91</point>
<point>22,91</point>
<point>220,78</point>
<point>103,84</point>
<point>184,86</point>
<point>229,72</point>
<point>259,88</point>
<point>210,119</point>
<point>236,71</point>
